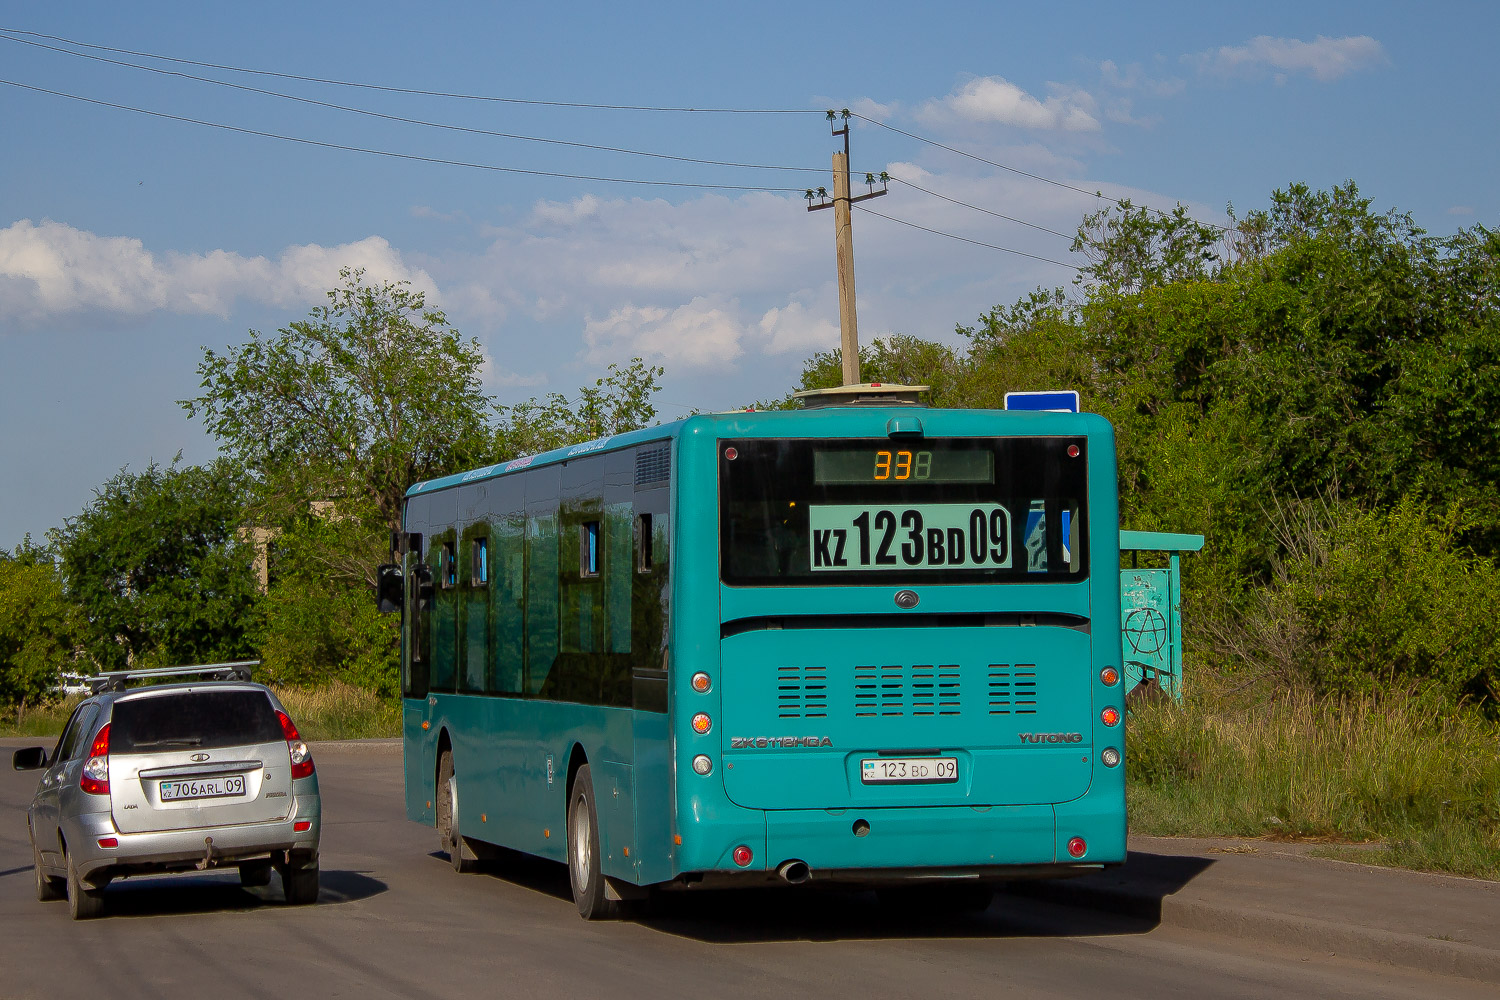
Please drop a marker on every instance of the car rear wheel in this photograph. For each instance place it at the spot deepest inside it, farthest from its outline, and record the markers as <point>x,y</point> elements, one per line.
<point>584,870</point>
<point>300,885</point>
<point>255,874</point>
<point>84,903</point>
<point>47,887</point>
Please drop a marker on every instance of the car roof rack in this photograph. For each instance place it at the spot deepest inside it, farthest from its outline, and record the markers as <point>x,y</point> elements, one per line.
<point>115,680</point>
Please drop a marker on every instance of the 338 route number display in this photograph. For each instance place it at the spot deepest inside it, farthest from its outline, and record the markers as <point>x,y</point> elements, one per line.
<point>921,536</point>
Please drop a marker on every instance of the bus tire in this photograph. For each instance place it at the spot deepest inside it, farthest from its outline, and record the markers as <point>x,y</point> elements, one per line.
<point>584,869</point>
<point>461,855</point>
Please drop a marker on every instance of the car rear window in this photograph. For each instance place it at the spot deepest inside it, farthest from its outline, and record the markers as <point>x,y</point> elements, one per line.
<point>192,719</point>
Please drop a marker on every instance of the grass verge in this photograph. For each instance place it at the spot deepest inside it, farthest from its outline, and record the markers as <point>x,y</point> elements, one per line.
<point>1413,775</point>
<point>341,711</point>
<point>337,711</point>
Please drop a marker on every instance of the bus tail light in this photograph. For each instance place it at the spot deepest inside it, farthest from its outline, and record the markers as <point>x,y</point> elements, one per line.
<point>1109,677</point>
<point>702,723</point>
<point>301,756</point>
<point>1077,848</point>
<point>95,776</point>
<point>702,682</point>
<point>703,765</point>
<point>1110,756</point>
<point>1110,716</point>
<point>743,856</point>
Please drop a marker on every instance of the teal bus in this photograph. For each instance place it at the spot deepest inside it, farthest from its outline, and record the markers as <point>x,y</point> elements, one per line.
<point>864,642</point>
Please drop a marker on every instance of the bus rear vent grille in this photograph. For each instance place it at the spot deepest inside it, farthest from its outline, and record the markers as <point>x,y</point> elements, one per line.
<point>653,466</point>
<point>801,692</point>
<point>1012,689</point>
<point>895,690</point>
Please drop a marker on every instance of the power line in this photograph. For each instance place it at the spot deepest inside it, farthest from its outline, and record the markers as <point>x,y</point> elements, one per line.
<point>393,154</point>
<point>964,239</point>
<point>403,120</point>
<point>414,91</point>
<point>1023,173</point>
<point>955,201</point>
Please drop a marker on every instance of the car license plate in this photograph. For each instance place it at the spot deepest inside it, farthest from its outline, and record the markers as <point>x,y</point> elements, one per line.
<point>203,788</point>
<point>908,770</point>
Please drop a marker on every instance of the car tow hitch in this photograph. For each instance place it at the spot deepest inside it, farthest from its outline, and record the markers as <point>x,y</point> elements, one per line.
<point>208,855</point>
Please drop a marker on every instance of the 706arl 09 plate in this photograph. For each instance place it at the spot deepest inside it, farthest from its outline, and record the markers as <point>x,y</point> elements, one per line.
<point>208,788</point>
<point>908,770</point>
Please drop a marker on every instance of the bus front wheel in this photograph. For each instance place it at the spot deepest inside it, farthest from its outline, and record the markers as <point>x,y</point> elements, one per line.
<point>584,870</point>
<point>460,855</point>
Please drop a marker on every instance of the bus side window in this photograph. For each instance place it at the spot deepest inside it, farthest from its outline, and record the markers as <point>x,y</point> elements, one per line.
<point>479,562</point>
<point>643,562</point>
<point>588,549</point>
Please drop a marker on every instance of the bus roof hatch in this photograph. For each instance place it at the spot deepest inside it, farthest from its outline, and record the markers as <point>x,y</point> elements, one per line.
<point>864,394</point>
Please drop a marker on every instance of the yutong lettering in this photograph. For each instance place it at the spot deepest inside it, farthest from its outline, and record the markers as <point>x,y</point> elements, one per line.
<point>762,742</point>
<point>1051,737</point>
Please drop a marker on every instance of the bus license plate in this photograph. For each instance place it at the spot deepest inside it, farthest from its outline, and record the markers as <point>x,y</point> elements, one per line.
<point>908,770</point>
<point>203,788</point>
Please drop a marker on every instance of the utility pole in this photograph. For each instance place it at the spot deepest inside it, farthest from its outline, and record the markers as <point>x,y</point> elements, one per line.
<point>844,242</point>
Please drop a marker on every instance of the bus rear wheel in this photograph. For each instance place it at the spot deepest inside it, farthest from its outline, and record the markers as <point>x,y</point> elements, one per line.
<point>585,872</point>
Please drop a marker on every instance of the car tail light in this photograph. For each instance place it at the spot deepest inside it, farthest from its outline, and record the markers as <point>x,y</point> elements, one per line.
<point>95,776</point>
<point>1077,847</point>
<point>302,826</point>
<point>302,762</point>
<point>109,841</point>
<point>742,856</point>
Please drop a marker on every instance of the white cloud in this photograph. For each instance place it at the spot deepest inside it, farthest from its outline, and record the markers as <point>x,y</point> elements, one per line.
<point>1461,210</point>
<point>698,334</point>
<point>1133,77</point>
<point>993,99</point>
<point>793,327</point>
<point>53,269</point>
<point>1322,58</point>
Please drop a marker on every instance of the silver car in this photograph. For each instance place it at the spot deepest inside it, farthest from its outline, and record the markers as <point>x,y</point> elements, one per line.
<point>174,777</point>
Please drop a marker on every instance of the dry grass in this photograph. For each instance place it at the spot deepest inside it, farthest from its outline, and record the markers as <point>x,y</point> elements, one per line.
<point>340,711</point>
<point>1404,771</point>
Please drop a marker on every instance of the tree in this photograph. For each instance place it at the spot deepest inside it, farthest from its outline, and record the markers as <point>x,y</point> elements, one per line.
<point>157,569</point>
<point>620,401</point>
<point>370,394</point>
<point>38,625</point>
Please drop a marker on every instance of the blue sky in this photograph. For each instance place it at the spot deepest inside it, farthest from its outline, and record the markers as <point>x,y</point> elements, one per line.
<point>129,242</point>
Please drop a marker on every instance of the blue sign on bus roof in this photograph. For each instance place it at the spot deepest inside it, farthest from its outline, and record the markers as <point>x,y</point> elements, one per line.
<point>1056,401</point>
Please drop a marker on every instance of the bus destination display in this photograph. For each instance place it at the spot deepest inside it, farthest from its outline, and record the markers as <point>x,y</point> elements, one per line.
<point>903,465</point>
<point>919,536</point>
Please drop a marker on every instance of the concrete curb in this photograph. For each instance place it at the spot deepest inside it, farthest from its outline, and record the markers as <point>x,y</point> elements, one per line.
<point>1410,951</point>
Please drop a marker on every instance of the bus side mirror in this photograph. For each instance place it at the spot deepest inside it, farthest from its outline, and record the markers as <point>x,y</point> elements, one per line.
<point>388,587</point>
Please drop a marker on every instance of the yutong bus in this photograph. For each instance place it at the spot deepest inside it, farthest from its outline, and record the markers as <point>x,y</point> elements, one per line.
<point>872,643</point>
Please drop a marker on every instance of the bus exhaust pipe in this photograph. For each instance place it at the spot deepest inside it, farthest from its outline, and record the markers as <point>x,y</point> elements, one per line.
<point>793,872</point>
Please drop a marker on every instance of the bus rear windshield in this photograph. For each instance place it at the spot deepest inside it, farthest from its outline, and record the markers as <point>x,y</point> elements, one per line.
<point>955,510</point>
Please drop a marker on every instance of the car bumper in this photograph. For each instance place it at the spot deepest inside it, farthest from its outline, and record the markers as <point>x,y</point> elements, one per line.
<point>199,849</point>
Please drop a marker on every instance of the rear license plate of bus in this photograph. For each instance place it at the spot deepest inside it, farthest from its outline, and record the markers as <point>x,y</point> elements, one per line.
<point>908,770</point>
<point>203,788</point>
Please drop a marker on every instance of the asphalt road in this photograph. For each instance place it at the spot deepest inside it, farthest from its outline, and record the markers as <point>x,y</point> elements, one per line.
<point>395,921</point>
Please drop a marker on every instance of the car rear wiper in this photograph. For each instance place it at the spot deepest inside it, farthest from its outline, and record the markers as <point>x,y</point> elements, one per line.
<point>190,741</point>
